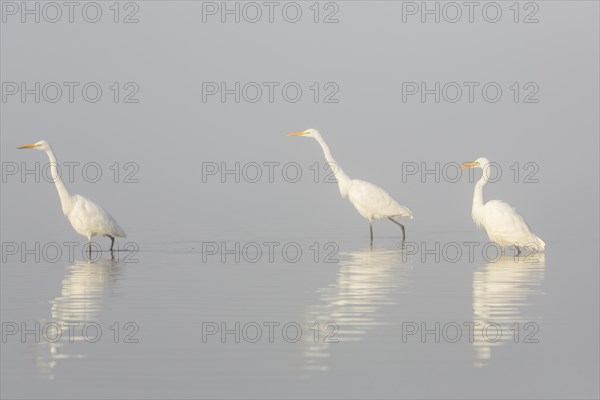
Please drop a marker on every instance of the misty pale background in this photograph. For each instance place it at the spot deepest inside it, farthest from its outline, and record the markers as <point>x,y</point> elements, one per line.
<point>171,133</point>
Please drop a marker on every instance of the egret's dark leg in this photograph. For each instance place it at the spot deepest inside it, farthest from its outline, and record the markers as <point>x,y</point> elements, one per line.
<point>371,229</point>
<point>112,243</point>
<point>90,247</point>
<point>401,227</point>
<point>518,250</point>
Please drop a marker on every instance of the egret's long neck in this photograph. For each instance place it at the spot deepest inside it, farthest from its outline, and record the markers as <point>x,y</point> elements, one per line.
<point>63,192</point>
<point>478,201</point>
<point>344,181</point>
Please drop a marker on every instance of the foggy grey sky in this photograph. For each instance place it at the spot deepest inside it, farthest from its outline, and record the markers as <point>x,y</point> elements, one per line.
<point>371,132</point>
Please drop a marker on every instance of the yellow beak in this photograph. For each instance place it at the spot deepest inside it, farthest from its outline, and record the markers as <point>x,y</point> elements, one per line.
<point>297,133</point>
<point>468,165</point>
<point>28,146</point>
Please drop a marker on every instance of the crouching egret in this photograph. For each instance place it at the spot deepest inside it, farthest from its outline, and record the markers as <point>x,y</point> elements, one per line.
<point>371,201</point>
<point>86,217</point>
<point>504,226</point>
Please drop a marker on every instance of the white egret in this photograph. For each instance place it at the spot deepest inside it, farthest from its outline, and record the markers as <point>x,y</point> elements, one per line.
<point>371,201</point>
<point>87,218</point>
<point>504,226</point>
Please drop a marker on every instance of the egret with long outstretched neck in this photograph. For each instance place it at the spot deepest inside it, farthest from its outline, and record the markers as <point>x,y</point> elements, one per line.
<point>86,217</point>
<point>371,201</point>
<point>504,226</point>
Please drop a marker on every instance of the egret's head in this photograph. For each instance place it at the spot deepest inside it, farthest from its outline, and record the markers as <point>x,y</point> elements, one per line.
<point>481,162</point>
<point>41,145</point>
<point>312,133</point>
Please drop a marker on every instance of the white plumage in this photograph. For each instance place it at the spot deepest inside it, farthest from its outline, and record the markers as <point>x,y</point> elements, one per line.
<point>89,219</point>
<point>502,222</point>
<point>371,201</point>
<point>86,217</point>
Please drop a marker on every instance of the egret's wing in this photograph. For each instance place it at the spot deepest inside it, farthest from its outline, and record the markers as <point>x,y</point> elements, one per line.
<point>503,221</point>
<point>373,198</point>
<point>89,216</point>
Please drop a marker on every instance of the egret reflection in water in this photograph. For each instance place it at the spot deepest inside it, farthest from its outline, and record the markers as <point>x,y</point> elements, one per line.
<point>503,291</point>
<point>367,281</point>
<point>80,302</point>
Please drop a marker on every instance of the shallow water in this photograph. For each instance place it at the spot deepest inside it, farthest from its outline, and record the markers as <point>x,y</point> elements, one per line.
<point>358,319</point>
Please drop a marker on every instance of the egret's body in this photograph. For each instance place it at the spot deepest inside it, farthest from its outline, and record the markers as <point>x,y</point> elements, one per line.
<point>502,222</point>
<point>371,201</point>
<point>86,217</point>
<point>89,219</point>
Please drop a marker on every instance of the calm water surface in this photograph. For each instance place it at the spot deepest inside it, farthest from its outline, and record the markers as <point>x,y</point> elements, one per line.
<point>347,321</point>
